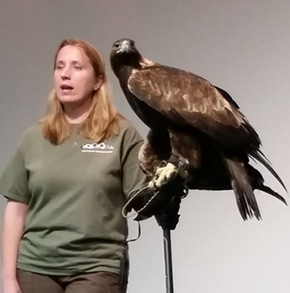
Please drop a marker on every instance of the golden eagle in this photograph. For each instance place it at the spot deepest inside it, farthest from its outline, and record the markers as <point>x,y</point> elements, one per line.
<point>195,123</point>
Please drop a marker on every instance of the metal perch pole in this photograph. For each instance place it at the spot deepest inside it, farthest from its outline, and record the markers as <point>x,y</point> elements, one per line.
<point>168,261</point>
<point>168,219</point>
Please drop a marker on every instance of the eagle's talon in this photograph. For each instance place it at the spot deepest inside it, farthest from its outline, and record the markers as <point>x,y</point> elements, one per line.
<point>182,169</point>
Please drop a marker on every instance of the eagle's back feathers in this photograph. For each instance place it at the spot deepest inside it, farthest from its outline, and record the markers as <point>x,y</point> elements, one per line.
<point>188,99</point>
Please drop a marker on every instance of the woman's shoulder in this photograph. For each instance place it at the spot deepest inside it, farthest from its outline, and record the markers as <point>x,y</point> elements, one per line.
<point>33,129</point>
<point>128,129</point>
<point>31,134</point>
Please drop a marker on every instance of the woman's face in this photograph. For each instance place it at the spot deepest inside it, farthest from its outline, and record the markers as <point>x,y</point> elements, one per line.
<point>74,77</point>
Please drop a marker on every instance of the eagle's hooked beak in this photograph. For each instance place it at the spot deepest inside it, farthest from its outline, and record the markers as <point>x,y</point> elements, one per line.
<point>125,46</point>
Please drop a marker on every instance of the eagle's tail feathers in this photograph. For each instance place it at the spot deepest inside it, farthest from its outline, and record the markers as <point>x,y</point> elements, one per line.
<point>272,192</point>
<point>242,187</point>
<point>259,156</point>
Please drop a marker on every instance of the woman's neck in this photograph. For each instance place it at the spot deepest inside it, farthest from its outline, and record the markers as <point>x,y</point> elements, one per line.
<point>77,113</point>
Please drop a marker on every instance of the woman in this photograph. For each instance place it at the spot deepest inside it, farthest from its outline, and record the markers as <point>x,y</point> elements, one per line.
<point>63,229</point>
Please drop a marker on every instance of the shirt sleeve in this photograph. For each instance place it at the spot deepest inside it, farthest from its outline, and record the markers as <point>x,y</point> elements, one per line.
<point>14,179</point>
<point>133,177</point>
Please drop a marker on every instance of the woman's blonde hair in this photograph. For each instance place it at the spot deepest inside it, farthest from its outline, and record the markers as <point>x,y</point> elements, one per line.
<point>103,119</point>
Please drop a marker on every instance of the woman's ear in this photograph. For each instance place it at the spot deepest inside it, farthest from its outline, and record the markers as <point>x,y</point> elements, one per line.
<point>98,83</point>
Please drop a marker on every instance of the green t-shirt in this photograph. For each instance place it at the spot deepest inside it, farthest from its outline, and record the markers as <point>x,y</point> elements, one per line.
<point>75,193</point>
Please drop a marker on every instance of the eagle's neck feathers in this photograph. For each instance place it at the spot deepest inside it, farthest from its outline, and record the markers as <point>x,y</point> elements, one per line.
<point>146,63</point>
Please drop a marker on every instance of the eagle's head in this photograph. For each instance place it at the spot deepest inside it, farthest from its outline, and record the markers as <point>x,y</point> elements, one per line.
<point>124,53</point>
<point>124,46</point>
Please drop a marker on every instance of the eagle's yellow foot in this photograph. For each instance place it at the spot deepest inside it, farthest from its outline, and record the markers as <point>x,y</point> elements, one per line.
<point>166,172</point>
<point>163,175</point>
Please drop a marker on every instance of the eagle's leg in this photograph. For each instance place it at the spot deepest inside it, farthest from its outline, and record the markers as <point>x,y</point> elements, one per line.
<point>149,161</point>
<point>160,171</point>
<point>185,155</point>
<point>159,160</point>
<point>155,151</point>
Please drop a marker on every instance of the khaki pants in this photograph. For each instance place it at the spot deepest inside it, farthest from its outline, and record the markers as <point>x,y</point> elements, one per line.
<point>101,282</point>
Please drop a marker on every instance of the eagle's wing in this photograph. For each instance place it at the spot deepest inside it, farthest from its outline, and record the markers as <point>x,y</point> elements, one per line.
<point>186,98</point>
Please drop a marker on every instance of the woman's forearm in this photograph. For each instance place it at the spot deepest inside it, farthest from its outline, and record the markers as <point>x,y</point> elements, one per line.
<point>13,226</point>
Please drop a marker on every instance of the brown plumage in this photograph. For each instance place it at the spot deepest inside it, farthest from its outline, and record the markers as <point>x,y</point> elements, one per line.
<point>193,122</point>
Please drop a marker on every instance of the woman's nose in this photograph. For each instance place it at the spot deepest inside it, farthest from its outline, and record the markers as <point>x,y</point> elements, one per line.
<point>65,73</point>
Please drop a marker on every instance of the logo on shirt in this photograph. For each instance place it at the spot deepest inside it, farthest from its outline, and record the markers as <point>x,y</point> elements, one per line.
<point>97,148</point>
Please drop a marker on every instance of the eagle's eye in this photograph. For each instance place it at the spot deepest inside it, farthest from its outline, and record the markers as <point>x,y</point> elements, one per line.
<point>116,46</point>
